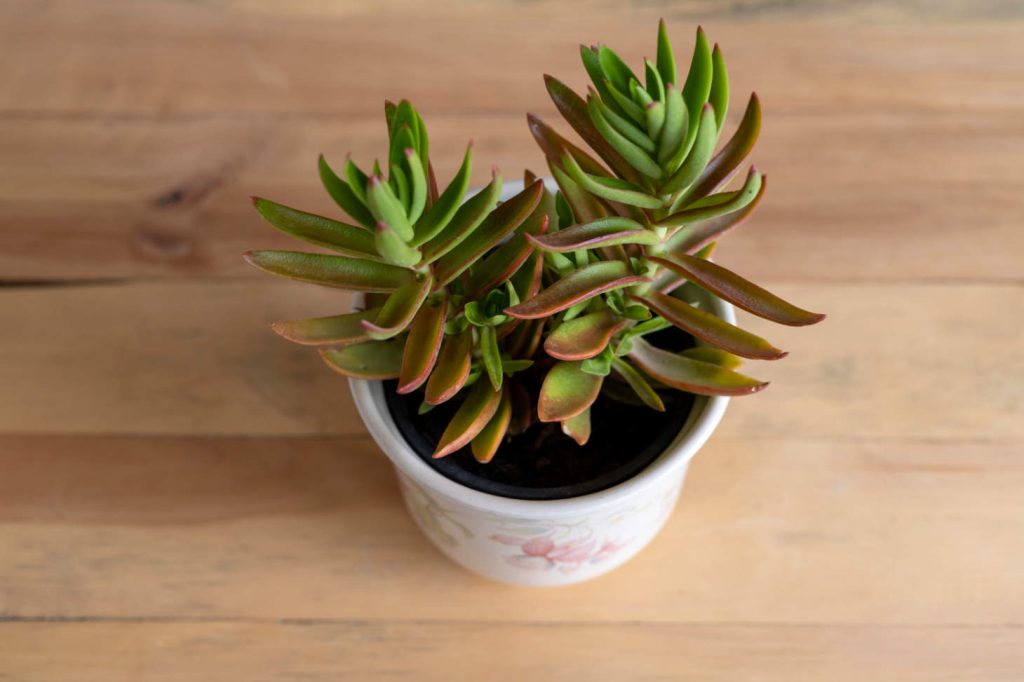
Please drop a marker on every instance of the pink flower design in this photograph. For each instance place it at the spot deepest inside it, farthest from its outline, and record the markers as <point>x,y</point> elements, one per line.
<point>542,553</point>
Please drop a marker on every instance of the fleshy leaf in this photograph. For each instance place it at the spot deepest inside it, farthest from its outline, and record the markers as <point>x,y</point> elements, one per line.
<point>715,356</point>
<point>719,95</point>
<point>698,81</point>
<point>609,188</point>
<point>393,248</point>
<point>491,356</point>
<point>370,360</point>
<point>487,442</point>
<point>585,207</point>
<point>343,195</point>
<point>697,160</point>
<point>710,328</point>
<point>452,369</point>
<point>337,236</point>
<point>674,129</point>
<point>615,69</point>
<point>639,385</point>
<point>332,271</point>
<point>399,310</point>
<point>687,374</point>
<point>583,337</point>
<point>422,347</point>
<point>501,222</point>
<point>666,59</point>
<point>655,118</point>
<point>418,183</point>
<point>576,287</point>
<point>626,127</point>
<point>698,235</point>
<point>387,208</point>
<point>603,232</point>
<point>466,219</point>
<point>725,162</point>
<point>739,291</point>
<point>566,392</point>
<point>717,204</point>
<point>578,427</point>
<point>503,262</point>
<point>655,84</point>
<point>341,330</point>
<point>635,156</point>
<point>441,212</point>
<point>472,416</point>
<point>554,146</point>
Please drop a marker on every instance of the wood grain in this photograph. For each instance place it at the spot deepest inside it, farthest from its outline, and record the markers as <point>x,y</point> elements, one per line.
<point>784,531</point>
<point>119,652</point>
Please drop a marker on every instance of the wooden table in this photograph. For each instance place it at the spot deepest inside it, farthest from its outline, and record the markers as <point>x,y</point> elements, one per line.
<point>185,496</point>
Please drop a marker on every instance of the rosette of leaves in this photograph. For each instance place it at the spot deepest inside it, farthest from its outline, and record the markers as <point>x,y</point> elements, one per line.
<point>637,225</point>
<point>437,270</point>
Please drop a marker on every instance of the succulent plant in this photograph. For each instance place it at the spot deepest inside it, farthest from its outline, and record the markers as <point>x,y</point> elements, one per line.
<point>635,234</point>
<point>437,270</point>
<point>529,309</point>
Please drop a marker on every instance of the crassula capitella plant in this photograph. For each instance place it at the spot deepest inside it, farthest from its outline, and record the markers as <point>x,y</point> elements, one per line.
<point>635,233</point>
<point>525,310</point>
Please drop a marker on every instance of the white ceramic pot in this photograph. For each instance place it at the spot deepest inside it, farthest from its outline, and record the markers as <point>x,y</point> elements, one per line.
<point>541,542</point>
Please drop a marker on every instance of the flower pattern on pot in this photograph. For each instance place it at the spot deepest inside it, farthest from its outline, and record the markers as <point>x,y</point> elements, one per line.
<point>542,552</point>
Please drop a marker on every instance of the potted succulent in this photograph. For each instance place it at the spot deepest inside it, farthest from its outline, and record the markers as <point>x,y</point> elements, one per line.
<point>541,364</point>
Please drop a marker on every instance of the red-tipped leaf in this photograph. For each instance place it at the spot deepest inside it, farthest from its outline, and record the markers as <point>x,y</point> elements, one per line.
<point>370,360</point>
<point>578,427</point>
<point>399,310</point>
<point>602,232</point>
<point>739,291</point>
<point>687,374</point>
<point>452,369</point>
<point>577,287</point>
<point>566,392</point>
<point>422,346</point>
<point>728,160</point>
<point>470,419</point>
<point>583,337</point>
<point>487,442</point>
<point>340,330</point>
<point>331,271</point>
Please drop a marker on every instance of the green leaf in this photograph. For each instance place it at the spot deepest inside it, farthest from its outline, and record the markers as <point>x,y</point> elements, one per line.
<point>655,119</point>
<point>699,234</point>
<point>442,211</point>
<point>332,271</point>
<point>655,85</point>
<point>700,154</point>
<point>710,328</point>
<point>341,237</point>
<point>715,356</point>
<point>584,206</point>
<point>554,146</point>
<point>631,109</point>
<point>673,131</point>
<point>666,58</point>
<point>422,347</point>
<point>466,219</point>
<point>725,162</point>
<point>393,248</point>
<point>341,330</point>
<point>605,190</point>
<point>486,443</point>
<point>566,392</point>
<point>602,232</point>
<point>344,195</point>
<point>399,310</point>
<point>626,127</point>
<point>491,356</point>
<point>719,96</point>
<point>615,69</point>
<point>583,337</point>
<point>578,427</point>
<point>452,369</point>
<point>698,81</point>
<point>639,385</point>
<point>400,184</point>
<point>592,64</point>
<point>357,181</point>
<point>402,139</point>
<point>418,183</point>
<point>370,360</point>
<point>600,365</point>
<point>510,367</point>
<point>576,287</point>
<point>501,222</point>
<point>687,374</point>
<point>387,208</point>
<point>574,110</point>
<point>717,204</point>
<point>472,416</point>
<point>636,157</point>
<point>739,291</point>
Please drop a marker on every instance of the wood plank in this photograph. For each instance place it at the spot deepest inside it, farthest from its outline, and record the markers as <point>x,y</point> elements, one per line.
<point>901,361</point>
<point>97,199</point>
<point>769,530</point>
<point>116,652</point>
<point>184,57</point>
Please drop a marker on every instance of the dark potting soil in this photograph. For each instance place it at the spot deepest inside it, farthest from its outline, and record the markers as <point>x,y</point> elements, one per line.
<point>542,463</point>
